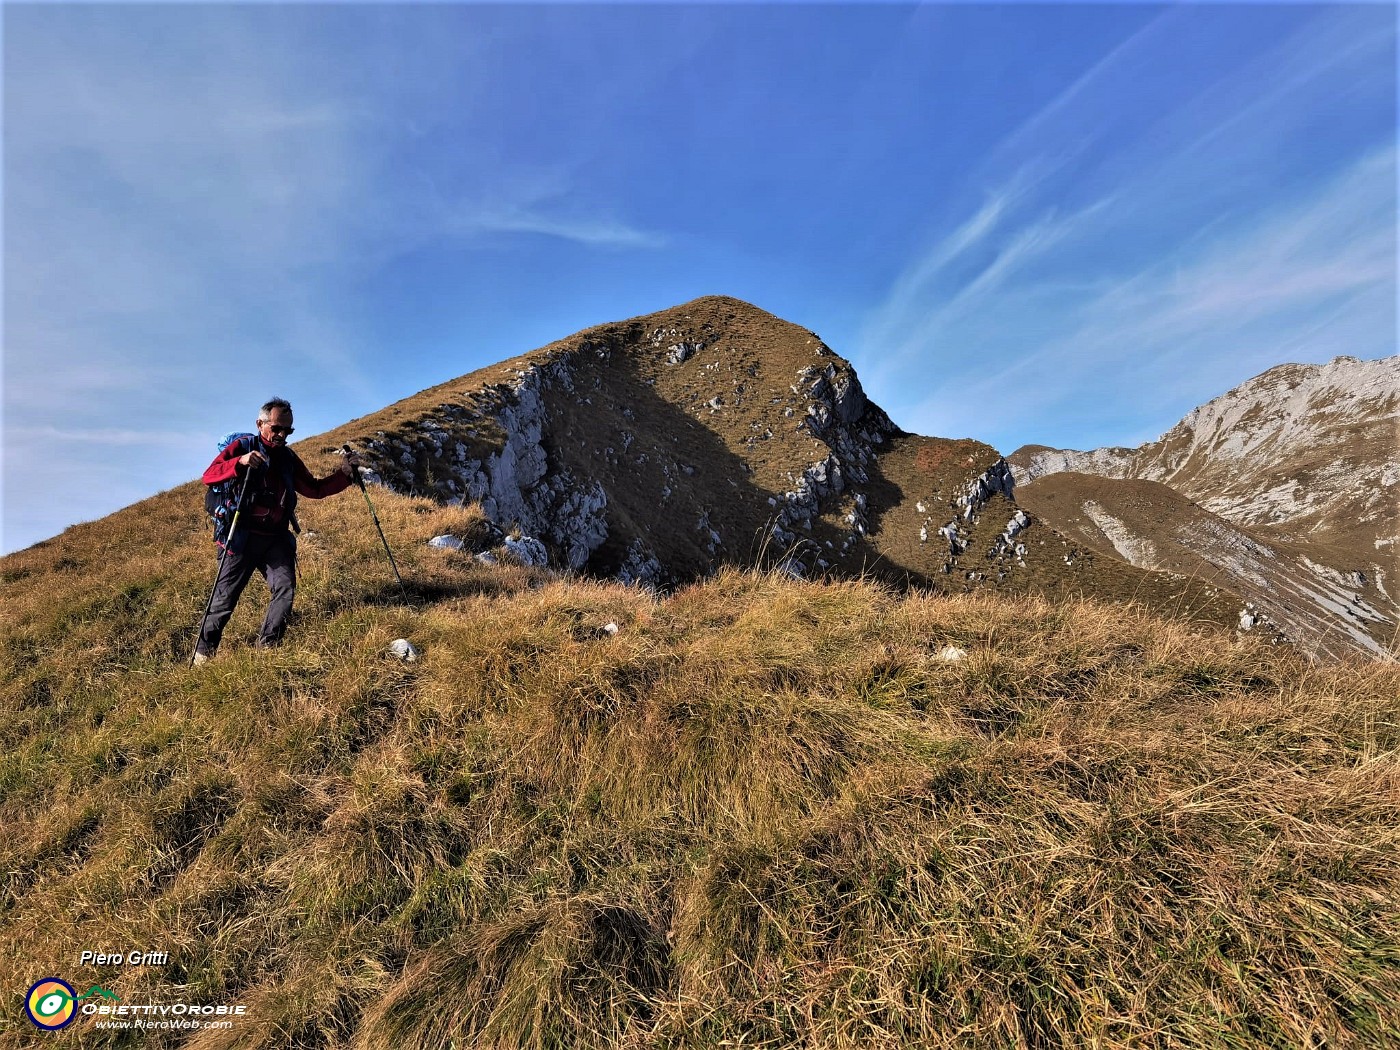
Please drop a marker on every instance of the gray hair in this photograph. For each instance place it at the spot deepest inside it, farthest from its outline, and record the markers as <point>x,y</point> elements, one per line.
<point>276,402</point>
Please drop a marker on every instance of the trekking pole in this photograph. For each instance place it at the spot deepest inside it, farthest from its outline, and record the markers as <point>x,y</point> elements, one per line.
<point>355,473</point>
<point>228,542</point>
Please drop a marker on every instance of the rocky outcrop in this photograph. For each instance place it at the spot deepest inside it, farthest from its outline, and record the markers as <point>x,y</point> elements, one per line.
<point>514,482</point>
<point>967,507</point>
<point>838,414</point>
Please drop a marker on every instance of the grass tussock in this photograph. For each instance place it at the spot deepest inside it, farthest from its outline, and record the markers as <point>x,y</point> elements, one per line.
<point>764,813</point>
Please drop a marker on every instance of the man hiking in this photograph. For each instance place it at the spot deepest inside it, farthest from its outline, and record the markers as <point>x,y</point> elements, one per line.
<point>262,539</point>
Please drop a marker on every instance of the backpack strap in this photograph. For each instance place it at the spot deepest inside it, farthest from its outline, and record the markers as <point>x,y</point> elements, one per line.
<point>289,492</point>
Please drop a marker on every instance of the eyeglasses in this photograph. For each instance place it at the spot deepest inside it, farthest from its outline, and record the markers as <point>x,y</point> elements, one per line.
<point>275,429</point>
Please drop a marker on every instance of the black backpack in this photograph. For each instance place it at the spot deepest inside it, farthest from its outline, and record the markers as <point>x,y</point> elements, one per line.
<point>221,498</point>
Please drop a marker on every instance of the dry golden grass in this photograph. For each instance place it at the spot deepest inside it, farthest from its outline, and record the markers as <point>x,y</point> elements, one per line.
<point>765,813</point>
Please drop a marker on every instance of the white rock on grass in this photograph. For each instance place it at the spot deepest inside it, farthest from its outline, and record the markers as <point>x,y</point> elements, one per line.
<point>951,654</point>
<point>446,542</point>
<point>404,650</point>
<point>526,551</point>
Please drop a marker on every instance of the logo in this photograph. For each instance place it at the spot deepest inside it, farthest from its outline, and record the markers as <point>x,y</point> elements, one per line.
<point>51,1004</point>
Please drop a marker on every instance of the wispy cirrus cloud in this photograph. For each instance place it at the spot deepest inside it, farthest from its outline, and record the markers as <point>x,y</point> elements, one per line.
<point>1047,124</point>
<point>1306,280</point>
<point>967,272</point>
<point>1299,259</point>
<point>589,232</point>
<point>1213,242</point>
<point>921,280</point>
<point>533,200</point>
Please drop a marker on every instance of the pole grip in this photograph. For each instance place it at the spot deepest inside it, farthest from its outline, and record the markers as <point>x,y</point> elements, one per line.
<point>345,450</point>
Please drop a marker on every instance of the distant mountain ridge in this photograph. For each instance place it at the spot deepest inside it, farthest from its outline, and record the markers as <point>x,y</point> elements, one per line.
<point>1299,466</point>
<point>1301,450</point>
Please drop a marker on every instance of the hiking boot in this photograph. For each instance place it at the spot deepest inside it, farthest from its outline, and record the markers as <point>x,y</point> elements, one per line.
<point>201,658</point>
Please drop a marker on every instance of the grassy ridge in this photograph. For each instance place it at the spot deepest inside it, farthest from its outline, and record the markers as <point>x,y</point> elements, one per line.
<point>765,813</point>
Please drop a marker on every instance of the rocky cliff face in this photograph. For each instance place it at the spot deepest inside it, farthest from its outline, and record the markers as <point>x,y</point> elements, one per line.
<point>510,474</point>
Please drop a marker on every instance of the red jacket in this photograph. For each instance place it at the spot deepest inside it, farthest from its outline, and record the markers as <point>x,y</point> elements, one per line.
<point>268,503</point>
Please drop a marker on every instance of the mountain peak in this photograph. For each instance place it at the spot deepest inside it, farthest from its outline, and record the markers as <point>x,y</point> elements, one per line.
<point>654,448</point>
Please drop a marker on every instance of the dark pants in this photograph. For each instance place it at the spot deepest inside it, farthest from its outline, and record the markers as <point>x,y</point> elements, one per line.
<point>274,556</point>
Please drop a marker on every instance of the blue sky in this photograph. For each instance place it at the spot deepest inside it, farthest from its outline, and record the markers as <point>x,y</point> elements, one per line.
<point>1049,223</point>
